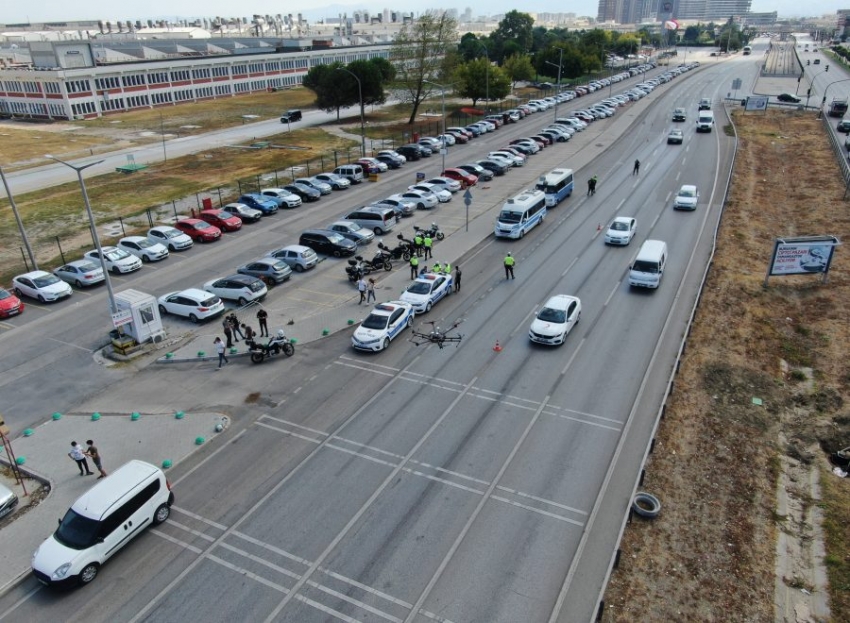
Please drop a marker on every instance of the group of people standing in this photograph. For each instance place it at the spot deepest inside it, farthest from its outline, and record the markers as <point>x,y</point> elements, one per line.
<point>78,455</point>
<point>423,244</point>
<point>233,328</point>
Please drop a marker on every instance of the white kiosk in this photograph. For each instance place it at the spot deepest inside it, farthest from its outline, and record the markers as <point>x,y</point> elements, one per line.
<point>138,317</point>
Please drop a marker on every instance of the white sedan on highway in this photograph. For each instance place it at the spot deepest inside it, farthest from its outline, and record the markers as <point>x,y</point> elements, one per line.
<point>555,320</point>
<point>621,231</point>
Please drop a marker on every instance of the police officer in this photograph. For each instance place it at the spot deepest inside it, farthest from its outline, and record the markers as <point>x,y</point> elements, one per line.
<point>427,243</point>
<point>414,266</point>
<point>447,269</point>
<point>436,269</point>
<point>418,241</point>
<point>509,266</point>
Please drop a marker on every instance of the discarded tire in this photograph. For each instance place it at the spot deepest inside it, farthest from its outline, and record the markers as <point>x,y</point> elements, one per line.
<point>646,505</point>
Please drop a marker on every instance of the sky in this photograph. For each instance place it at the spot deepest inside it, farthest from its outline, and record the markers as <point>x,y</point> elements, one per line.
<point>54,10</point>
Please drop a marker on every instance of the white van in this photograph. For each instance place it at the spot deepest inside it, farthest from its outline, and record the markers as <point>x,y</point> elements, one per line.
<point>648,267</point>
<point>520,214</point>
<point>352,172</point>
<point>101,522</point>
<point>705,121</point>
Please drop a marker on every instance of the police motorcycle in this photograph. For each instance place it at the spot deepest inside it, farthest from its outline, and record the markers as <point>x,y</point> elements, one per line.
<point>432,232</point>
<point>400,252</point>
<point>277,345</point>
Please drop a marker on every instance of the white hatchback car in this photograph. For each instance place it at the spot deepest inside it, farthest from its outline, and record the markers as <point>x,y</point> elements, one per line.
<point>172,238</point>
<point>555,320</point>
<point>382,325</point>
<point>621,231</point>
<point>687,198</point>
<point>143,248</point>
<point>194,304</point>
<point>117,261</point>
<point>41,286</point>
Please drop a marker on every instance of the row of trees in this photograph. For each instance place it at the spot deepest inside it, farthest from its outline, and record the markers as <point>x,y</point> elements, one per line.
<point>427,56</point>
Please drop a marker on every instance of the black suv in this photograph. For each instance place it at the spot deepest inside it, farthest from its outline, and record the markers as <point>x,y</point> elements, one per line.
<point>328,242</point>
<point>290,115</point>
<point>411,152</point>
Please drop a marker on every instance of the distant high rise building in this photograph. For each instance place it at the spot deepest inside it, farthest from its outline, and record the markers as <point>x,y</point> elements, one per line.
<point>635,11</point>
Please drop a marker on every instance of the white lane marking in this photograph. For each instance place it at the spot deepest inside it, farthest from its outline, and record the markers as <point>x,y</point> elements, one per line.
<point>198,518</point>
<point>474,515</point>
<point>365,507</point>
<point>541,500</point>
<point>183,544</point>
<point>197,533</point>
<point>573,356</point>
<point>221,448</point>
<point>613,292</point>
<point>21,601</point>
<point>575,259</point>
<point>537,510</point>
<point>523,321</point>
<point>85,350</point>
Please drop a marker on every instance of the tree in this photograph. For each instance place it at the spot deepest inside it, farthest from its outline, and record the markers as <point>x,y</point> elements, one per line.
<point>518,67</point>
<point>691,34</point>
<point>470,47</point>
<point>419,54</point>
<point>324,81</point>
<point>513,34</point>
<point>477,79</point>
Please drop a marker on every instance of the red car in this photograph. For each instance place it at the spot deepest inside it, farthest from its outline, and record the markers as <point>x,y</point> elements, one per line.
<point>369,166</point>
<point>10,305</point>
<point>225,221</point>
<point>461,176</point>
<point>543,141</point>
<point>198,230</point>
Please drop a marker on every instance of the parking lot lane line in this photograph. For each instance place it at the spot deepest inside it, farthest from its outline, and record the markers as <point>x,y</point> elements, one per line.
<point>541,500</point>
<point>261,561</point>
<point>522,322</point>
<point>249,574</point>
<point>31,305</point>
<point>288,423</point>
<point>499,498</point>
<point>85,350</point>
<point>197,533</point>
<point>290,433</point>
<point>197,517</point>
<point>183,544</point>
<point>7,325</point>
<point>221,448</point>
<point>572,358</point>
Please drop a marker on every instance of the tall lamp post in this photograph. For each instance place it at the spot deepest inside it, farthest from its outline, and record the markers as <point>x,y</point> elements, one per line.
<point>18,220</point>
<point>113,307</point>
<point>486,75</point>
<point>362,122</point>
<point>559,65</point>
<point>444,148</point>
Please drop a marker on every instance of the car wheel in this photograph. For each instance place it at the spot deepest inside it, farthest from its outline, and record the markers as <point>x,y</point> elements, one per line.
<point>18,292</point>
<point>115,270</point>
<point>162,513</point>
<point>243,301</point>
<point>421,206</point>
<point>410,321</point>
<point>428,307</point>
<point>89,573</point>
<point>299,268</point>
<point>78,283</point>
<point>578,317</point>
<point>521,234</point>
<point>337,253</point>
<point>386,344</point>
<point>268,281</point>
<point>145,259</point>
<point>162,310</point>
<point>41,299</point>
<point>172,248</point>
<point>193,318</point>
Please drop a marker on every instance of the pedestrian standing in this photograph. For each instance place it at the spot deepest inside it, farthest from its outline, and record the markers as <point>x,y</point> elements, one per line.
<point>370,290</point>
<point>262,317</point>
<point>249,333</point>
<point>228,332</point>
<point>361,287</point>
<point>427,243</point>
<point>590,187</point>
<point>234,326</point>
<point>414,265</point>
<point>509,266</point>
<point>457,278</point>
<point>94,455</point>
<point>79,456</point>
<point>219,348</point>
<point>636,170</point>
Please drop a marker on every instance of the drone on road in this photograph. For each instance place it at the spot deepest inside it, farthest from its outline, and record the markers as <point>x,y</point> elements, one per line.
<point>437,336</point>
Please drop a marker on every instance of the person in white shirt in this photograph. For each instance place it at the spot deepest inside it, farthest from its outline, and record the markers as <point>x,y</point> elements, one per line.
<point>79,456</point>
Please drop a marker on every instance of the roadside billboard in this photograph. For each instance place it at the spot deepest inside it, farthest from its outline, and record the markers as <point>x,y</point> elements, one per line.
<point>802,256</point>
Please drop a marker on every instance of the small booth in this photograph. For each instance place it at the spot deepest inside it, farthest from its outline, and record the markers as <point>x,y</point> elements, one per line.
<point>136,321</point>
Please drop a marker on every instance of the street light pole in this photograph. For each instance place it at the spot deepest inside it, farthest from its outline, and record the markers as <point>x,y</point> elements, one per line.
<point>79,169</point>
<point>486,76</point>
<point>362,122</point>
<point>443,136</point>
<point>18,220</point>
<point>559,65</point>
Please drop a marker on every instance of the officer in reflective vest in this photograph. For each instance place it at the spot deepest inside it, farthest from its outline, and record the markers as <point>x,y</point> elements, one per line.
<point>427,244</point>
<point>447,269</point>
<point>414,266</point>
<point>509,266</point>
<point>437,269</point>
<point>417,243</point>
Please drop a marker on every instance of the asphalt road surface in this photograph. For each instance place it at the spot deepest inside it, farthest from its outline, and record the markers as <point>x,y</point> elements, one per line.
<point>418,484</point>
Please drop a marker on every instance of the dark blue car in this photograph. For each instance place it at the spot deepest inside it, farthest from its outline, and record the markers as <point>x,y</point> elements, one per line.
<point>266,205</point>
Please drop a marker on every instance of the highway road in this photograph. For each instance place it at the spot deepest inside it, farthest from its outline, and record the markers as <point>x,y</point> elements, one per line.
<point>418,484</point>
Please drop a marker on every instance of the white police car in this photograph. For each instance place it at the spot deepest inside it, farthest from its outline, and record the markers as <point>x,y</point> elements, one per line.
<point>382,325</point>
<point>427,290</point>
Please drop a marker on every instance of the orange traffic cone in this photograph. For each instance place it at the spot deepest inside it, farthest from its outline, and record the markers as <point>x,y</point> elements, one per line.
<point>497,348</point>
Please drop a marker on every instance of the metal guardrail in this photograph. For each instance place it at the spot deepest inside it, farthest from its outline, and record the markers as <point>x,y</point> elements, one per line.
<point>841,153</point>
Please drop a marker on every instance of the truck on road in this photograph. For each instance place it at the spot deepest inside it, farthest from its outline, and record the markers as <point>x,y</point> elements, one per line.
<point>838,107</point>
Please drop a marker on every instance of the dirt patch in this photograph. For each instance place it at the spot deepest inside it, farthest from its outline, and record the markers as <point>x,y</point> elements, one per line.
<point>36,492</point>
<point>740,461</point>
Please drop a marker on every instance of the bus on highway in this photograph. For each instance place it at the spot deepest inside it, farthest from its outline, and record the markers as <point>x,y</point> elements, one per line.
<point>748,50</point>
<point>520,214</point>
<point>557,186</point>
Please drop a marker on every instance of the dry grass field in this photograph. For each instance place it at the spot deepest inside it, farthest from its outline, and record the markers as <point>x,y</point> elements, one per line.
<point>733,476</point>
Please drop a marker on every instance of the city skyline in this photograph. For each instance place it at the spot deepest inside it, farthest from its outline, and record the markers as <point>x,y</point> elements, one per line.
<point>53,11</point>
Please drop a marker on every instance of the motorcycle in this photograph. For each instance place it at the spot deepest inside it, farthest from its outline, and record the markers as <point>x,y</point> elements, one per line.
<point>402,251</point>
<point>433,231</point>
<point>381,260</point>
<point>279,344</point>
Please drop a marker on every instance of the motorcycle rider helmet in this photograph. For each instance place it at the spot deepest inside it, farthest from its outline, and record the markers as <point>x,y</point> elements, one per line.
<point>281,334</point>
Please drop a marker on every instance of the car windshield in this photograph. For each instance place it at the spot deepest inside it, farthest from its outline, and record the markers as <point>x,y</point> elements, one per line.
<point>117,254</point>
<point>619,226</point>
<point>76,531</point>
<point>172,233</point>
<point>510,216</point>
<point>336,238</point>
<point>547,314</point>
<point>200,225</point>
<point>687,192</point>
<point>419,287</point>
<point>4,294</point>
<point>375,321</point>
<point>46,280</point>
<point>645,267</point>
<point>144,243</point>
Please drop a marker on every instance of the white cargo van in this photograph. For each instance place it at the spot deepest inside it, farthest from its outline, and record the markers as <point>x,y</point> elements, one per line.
<point>705,121</point>
<point>648,267</point>
<point>101,522</point>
